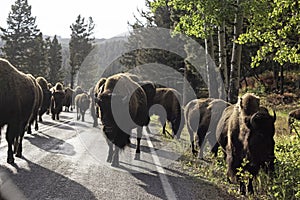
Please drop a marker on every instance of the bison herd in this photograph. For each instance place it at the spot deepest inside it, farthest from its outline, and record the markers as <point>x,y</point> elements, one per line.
<point>244,131</point>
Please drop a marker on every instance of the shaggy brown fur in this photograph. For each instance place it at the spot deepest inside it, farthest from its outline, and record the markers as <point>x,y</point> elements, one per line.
<point>93,108</point>
<point>294,114</point>
<point>17,98</point>
<point>68,99</point>
<point>170,100</point>
<point>57,101</point>
<point>37,105</point>
<point>82,102</point>
<point>198,115</point>
<point>46,96</point>
<point>123,106</point>
<point>246,132</point>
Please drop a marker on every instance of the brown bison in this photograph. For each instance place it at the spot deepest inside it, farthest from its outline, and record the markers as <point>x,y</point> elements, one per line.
<point>99,87</point>
<point>17,99</point>
<point>68,99</point>
<point>201,117</point>
<point>82,102</point>
<point>123,106</point>
<point>93,107</point>
<point>57,99</point>
<point>294,114</point>
<point>170,100</point>
<point>245,132</point>
<point>37,105</point>
<point>46,96</point>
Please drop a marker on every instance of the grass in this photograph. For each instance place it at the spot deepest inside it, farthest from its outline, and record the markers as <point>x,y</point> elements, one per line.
<point>285,184</point>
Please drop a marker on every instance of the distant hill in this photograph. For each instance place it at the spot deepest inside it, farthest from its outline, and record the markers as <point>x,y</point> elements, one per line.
<point>102,61</point>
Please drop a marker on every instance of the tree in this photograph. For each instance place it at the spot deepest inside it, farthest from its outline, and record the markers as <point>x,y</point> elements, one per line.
<point>81,43</point>
<point>274,26</point>
<point>20,36</point>
<point>55,61</point>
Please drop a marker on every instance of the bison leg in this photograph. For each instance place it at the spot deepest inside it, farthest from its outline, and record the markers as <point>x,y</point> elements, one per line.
<point>242,188</point>
<point>40,118</point>
<point>110,151</point>
<point>29,129</point>
<point>57,116</point>
<point>192,141</point>
<point>115,161</point>
<point>138,145</point>
<point>78,115</point>
<point>36,126</point>
<point>201,143</point>
<point>250,186</point>
<point>82,116</point>
<point>95,122</point>
<point>11,133</point>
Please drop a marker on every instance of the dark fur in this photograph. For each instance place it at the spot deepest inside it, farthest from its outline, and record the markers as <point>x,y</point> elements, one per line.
<point>17,99</point>
<point>68,99</point>
<point>170,100</point>
<point>198,115</point>
<point>82,102</point>
<point>57,99</point>
<point>37,105</point>
<point>46,96</point>
<point>127,98</point>
<point>99,87</point>
<point>93,107</point>
<point>294,114</point>
<point>247,137</point>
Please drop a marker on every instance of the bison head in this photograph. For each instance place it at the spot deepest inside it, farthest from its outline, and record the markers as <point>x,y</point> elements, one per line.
<point>111,128</point>
<point>260,141</point>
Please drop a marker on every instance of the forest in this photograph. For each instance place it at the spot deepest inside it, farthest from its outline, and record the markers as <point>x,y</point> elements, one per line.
<point>254,45</point>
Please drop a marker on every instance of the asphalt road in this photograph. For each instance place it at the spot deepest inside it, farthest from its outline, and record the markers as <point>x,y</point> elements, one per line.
<point>66,159</point>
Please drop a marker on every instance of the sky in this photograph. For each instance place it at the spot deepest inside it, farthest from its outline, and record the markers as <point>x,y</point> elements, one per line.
<point>54,17</point>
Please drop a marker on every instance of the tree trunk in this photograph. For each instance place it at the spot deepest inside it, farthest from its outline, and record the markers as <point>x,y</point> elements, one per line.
<point>281,80</point>
<point>236,55</point>
<point>222,55</point>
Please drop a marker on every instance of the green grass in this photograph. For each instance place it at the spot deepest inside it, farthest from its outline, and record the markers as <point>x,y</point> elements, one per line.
<point>284,185</point>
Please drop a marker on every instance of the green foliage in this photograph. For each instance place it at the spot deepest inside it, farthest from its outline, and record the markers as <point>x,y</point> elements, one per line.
<point>24,45</point>
<point>283,184</point>
<point>55,61</point>
<point>275,26</point>
<point>81,43</point>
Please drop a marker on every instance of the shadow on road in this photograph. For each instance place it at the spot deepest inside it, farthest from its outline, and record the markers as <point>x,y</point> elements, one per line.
<point>38,182</point>
<point>182,184</point>
<point>51,144</point>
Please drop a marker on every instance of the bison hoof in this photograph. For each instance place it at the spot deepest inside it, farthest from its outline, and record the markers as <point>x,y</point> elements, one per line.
<point>109,159</point>
<point>115,164</point>
<point>19,155</point>
<point>10,160</point>
<point>137,156</point>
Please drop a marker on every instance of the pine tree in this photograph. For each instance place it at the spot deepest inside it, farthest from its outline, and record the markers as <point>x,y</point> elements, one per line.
<point>55,61</point>
<point>20,35</point>
<point>81,43</point>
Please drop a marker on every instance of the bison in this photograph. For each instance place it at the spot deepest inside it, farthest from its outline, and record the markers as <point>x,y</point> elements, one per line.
<point>82,102</point>
<point>93,109</point>
<point>17,99</point>
<point>294,114</point>
<point>245,132</point>
<point>57,98</point>
<point>170,100</point>
<point>46,96</point>
<point>37,105</point>
<point>123,106</point>
<point>201,117</point>
<point>68,99</point>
